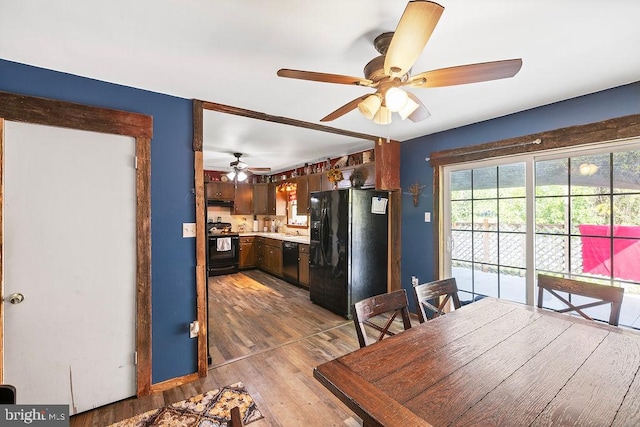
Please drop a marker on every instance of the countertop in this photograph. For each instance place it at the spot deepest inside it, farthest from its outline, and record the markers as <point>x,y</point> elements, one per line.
<point>278,236</point>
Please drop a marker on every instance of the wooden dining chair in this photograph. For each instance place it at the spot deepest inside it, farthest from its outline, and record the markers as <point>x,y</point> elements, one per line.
<point>380,306</point>
<point>7,394</point>
<point>236,417</point>
<point>604,294</point>
<point>424,293</point>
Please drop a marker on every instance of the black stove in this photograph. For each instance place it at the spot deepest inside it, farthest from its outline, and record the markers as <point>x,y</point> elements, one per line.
<point>224,248</point>
<point>220,229</point>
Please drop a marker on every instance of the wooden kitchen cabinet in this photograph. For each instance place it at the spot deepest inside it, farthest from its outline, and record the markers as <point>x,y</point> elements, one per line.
<point>273,256</point>
<point>260,262</point>
<point>218,190</point>
<point>260,194</point>
<point>302,194</point>
<point>303,265</point>
<point>242,202</point>
<point>247,252</point>
<point>314,183</point>
<point>318,182</point>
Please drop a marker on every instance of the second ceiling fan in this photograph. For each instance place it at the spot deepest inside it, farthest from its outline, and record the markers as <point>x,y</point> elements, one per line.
<point>389,72</point>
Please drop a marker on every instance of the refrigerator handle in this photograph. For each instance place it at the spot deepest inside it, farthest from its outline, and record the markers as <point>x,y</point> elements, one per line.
<point>323,237</point>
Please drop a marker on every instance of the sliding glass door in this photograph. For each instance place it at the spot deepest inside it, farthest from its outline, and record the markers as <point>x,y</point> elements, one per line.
<point>487,230</point>
<point>570,213</point>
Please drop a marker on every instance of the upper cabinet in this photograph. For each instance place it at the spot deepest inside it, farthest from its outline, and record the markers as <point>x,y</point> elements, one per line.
<point>261,199</point>
<point>218,190</point>
<point>242,202</point>
<point>302,194</point>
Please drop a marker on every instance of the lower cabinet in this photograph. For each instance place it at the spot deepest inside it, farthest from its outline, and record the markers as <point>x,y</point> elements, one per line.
<point>266,254</point>
<point>303,265</point>
<point>247,252</point>
<point>259,241</point>
<point>273,256</point>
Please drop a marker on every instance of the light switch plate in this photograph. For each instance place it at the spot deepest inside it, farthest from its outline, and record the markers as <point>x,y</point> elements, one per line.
<point>189,229</point>
<point>194,329</point>
<point>427,217</point>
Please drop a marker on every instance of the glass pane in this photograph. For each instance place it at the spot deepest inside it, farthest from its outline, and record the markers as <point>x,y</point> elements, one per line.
<point>461,185</point>
<point>485,181</point>
<point>513,249</point>
<point>552,178</point>
<point>513,284</point>
<point>626,254</point>
<point>463,273</point>
<point>461,214</point>
<point>551,253</point>
<point>485,247</point>
<point>513,215</point>
<point>626,209</point>
<point>465,297</point>
<point>486,280</point>
<point>485,214</point>
<point>626,172</point>
<point>590,174</point>
<point>511,180</point>
<point>591,255</point>
<point>551,215</point>
<point>630,304</point>
<point>588,211</point>
<point>462,245</point>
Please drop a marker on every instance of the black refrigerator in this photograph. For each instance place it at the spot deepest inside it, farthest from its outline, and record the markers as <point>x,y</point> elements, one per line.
<point>348,247</point>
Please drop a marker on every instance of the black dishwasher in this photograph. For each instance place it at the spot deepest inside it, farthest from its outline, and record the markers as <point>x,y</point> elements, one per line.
<point>290,262</point>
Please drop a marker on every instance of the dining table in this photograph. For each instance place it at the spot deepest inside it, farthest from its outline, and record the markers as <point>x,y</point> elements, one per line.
<point>494,363</point>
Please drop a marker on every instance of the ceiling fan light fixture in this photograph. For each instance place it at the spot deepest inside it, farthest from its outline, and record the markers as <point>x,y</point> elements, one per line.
<point>231,175</point>
<point>395,99</point>
<point>383,116</point>
<point>370,106</point>
<point>409,107</point>
<point>241,176</point>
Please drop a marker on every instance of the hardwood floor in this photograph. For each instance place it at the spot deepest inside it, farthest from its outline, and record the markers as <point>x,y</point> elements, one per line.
<point>267,334</point>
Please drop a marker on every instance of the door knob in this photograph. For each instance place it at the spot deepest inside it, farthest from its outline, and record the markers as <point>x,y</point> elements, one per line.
<point>16,298</point>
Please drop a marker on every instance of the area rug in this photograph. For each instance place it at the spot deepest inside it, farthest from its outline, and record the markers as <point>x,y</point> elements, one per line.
<point>211,409</point>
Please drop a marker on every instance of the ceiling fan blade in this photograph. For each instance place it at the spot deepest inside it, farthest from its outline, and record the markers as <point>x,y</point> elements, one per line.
<point>421,112</point>
<point>324,77</point>
<point>463,74</point>
<point>344,109</point>
<point>411,36</point>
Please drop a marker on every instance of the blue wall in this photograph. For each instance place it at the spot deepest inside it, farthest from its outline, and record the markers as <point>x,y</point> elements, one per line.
<point>417,236</point>
<point>172,200</point>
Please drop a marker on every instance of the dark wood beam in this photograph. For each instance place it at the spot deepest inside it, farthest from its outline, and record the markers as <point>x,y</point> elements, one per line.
<point>228,109</point>
<point>607,130</point>
<point>52,112</point>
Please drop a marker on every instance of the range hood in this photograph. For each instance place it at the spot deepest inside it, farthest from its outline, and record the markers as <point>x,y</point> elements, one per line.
<point>223,203</point>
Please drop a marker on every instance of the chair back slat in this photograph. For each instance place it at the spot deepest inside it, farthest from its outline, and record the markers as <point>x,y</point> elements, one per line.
<point>393,303</point>
<point>426,292</point>
<point>605,294</point>
<point>7,394</point>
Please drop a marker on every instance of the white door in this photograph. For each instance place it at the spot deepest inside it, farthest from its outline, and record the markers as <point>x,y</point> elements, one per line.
<point>69,249</point>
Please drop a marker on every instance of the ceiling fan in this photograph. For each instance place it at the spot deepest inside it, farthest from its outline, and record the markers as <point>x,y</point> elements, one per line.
<point>239,169</point>
<point>391,70</point>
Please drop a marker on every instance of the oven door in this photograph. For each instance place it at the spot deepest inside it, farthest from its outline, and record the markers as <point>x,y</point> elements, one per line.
<point>223,255</point>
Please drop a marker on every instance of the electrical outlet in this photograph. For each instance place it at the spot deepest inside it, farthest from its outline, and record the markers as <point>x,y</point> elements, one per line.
<point>189,229</point>
<point>414,280</point>
<point>194,328</point>
<point>427,217</point>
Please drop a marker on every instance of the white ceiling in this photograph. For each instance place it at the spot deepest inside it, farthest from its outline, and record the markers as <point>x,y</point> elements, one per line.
<point>228,52</point>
